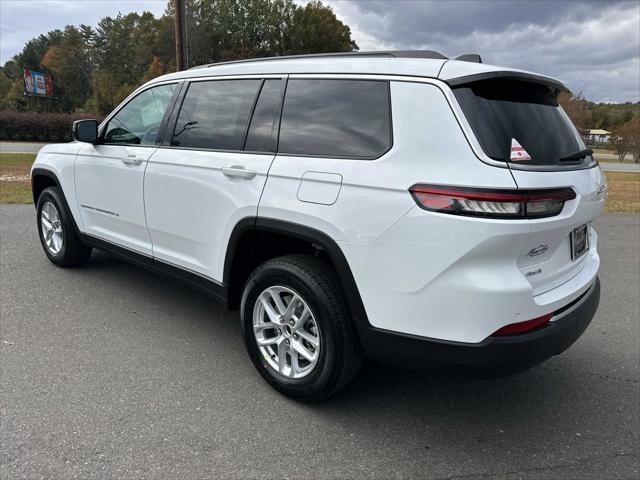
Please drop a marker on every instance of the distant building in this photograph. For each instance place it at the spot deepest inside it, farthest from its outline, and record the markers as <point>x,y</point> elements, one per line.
<point>597,135</point>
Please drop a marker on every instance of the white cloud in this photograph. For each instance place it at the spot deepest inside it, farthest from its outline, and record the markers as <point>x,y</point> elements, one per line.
<point>593,46</point>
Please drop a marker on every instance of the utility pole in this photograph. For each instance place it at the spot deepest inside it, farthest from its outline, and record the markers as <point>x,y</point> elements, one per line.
<point>181,57</point>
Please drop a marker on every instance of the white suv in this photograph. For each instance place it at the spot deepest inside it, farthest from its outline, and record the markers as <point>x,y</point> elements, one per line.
<point>398,206</point>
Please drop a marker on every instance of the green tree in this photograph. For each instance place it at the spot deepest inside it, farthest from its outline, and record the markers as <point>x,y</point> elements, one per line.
<point>35,50</point>
<point>626,139</point>
<point>69,62</point>
<point>11,70</point>
<point>5,83</point>
<point>316,29</point>
<point>96,68</point>
<point>221,30</point>
<point>579,111</point>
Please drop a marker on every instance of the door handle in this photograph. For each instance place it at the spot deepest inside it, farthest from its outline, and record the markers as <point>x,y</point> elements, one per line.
<point>238,171</point>
<point>132,160</point>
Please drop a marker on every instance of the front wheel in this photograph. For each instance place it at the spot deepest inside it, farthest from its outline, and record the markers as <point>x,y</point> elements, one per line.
<point>58,235</point>
<point>297,328</point>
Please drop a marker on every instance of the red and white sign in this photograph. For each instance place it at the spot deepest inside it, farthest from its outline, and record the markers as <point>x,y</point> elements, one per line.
<point>37,83</point>
<point>518,153</point>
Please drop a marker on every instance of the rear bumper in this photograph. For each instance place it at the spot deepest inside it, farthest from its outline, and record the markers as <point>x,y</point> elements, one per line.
<point>494,355</point>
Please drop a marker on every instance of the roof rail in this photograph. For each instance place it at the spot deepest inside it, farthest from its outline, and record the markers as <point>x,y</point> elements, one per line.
<point>469,57</point>
<point>382,53</point>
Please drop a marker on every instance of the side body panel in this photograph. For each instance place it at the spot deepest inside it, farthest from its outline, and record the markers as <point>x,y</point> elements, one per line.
<point>192,206</point>
<point>374,206</point>
<point>428,146</point>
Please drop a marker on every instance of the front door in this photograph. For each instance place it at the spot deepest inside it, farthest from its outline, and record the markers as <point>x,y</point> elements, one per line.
<point>110,174</point>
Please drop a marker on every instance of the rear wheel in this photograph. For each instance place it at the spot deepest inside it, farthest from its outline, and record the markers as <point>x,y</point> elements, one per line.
<point>297,328</point>
<point>56,230</point>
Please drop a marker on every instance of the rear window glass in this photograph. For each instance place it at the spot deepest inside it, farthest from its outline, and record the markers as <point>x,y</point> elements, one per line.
<point>520,122</point>
<point>336,118</point>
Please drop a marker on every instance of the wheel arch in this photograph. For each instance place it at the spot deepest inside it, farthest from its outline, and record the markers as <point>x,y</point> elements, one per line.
<point>41,179</point>
<point>250,230</point>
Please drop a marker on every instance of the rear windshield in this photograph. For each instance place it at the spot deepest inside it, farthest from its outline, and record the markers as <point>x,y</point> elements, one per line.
<point>520,122</point>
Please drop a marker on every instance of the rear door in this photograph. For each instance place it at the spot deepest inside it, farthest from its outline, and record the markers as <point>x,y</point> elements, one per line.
<point>211,170</point>
<point>109,175</point>
<point>521,124</point>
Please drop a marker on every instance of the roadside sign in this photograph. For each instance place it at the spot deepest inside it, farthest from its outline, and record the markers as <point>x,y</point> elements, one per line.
<point>37,84</point>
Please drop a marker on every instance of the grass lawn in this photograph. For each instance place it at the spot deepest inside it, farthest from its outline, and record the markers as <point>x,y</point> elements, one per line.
<point>624,187</point>
<point>15,192</point>
<point>15,165</point>
<point>624,192</point>
<point>17,160</point>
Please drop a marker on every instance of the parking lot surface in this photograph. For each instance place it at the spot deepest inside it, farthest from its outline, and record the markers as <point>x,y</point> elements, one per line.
<point>109,371</point>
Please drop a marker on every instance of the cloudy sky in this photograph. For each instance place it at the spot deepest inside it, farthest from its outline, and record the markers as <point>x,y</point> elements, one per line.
<point>593,46</point>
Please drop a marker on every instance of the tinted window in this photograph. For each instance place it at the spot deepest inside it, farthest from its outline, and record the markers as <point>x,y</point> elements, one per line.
<point>138,122</point>
<point>265,116</point>
<point>337,118</point>
<point>215,114</point>
<point>506,114</point>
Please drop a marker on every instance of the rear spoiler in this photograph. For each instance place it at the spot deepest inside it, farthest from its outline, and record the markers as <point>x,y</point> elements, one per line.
<point>522,76</point>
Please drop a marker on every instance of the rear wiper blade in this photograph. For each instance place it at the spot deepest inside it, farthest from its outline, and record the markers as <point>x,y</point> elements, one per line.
<point>577,155</point>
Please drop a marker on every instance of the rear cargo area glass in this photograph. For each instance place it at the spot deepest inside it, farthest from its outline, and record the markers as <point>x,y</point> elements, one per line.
<point>502,110</point>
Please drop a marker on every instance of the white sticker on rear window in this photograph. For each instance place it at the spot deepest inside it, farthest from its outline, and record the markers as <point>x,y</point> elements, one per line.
<point>518,153</point>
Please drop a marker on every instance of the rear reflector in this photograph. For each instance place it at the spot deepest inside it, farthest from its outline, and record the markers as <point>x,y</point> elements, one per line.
<point>523,327</point>
<point>508,204</point>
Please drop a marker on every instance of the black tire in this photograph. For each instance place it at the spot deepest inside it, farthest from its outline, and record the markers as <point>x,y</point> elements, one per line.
<point>340,355</point>
<point>73,252</point>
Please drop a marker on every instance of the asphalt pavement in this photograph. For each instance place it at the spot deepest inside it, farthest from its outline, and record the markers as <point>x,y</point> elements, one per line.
<point>21,147</point>
<point>109,372</point>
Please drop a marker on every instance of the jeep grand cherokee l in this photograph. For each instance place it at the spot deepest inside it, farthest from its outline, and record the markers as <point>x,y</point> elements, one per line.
<point>397,206</point>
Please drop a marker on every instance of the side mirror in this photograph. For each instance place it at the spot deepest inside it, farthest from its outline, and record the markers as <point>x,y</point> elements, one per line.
<point>85,131</point>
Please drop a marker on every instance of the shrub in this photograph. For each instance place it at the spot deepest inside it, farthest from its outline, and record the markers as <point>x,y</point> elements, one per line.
<point>39,127</point>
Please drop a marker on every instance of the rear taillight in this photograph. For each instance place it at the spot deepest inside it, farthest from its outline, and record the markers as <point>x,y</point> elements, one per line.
<point>523,327</point>
<point>492,203</point>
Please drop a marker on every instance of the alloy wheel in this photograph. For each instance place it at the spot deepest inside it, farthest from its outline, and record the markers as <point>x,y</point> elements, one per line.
<point>51,228</point>
<point>286,332</point>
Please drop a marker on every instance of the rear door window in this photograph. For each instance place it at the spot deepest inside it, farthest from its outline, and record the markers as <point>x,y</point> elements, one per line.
<point>215,114</point>
<point>336,118</point>
<point>520,122</point>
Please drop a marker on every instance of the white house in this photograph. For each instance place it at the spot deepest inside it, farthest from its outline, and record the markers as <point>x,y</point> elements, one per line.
<point>597,135</point>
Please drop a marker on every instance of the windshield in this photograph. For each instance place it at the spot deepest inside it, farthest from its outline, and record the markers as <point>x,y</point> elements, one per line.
<point>521,122</point>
